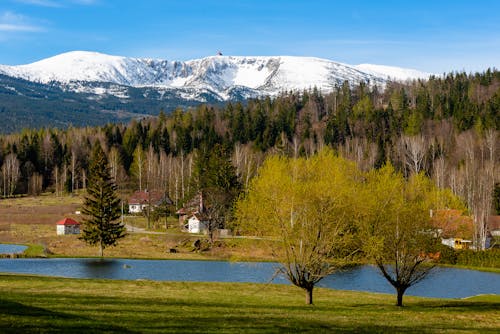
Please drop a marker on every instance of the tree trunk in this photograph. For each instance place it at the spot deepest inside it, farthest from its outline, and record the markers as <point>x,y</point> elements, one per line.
<point>400,292</point>
<point>101,250</point>
<point>309,296</point>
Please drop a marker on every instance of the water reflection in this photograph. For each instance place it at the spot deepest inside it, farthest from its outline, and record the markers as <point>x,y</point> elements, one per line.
<point>99,268</point>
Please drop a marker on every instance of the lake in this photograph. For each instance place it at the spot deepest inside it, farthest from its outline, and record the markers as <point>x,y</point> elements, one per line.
<point>442,282</point>
<point>12,249</point>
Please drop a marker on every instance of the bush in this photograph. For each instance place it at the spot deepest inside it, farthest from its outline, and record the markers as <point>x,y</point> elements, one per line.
<point>447,254</point>
<point>487,258</point>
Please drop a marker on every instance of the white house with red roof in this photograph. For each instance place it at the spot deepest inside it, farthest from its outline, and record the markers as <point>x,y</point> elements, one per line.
<point>68,226</point>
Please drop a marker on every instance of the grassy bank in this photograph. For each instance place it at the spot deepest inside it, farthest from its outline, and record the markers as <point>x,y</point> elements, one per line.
<point>39,304</point>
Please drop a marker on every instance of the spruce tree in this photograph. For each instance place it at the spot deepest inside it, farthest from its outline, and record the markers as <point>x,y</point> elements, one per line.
<point>102,205</point>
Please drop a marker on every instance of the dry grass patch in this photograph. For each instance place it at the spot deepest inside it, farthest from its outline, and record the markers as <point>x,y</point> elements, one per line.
<point>31,220</point>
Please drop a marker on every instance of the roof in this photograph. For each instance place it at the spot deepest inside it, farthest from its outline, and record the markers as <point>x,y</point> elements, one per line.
<point>453,223</point>
<point>194,205</point>
<point>494,223</point>
<point>144,197</point>
<point>68,221</point>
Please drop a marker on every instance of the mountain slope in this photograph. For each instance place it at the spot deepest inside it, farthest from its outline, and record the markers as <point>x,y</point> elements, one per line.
<point>26,104</point>
<point>88,88</point>
<point>219,75</point>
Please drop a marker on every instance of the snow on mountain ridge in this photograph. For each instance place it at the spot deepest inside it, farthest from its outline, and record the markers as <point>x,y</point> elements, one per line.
<point>218,74</point>
<point>393,72</point>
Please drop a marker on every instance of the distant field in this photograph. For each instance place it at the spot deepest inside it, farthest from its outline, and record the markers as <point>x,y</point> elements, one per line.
<point>48,305</point>
<point>32,220</point>
<point>45,209</point>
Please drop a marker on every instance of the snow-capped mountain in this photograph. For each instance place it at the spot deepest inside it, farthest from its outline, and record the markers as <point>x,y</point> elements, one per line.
<point>221,77</point>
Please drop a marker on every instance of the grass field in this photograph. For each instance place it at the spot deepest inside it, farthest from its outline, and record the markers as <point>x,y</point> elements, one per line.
<point>54,305</point>
<point>32,221</point>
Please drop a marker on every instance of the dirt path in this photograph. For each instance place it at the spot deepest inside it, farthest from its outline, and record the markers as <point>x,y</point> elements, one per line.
<point>134,229</point>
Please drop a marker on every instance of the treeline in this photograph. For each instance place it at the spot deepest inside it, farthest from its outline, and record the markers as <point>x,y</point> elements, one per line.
<point>446,127</point>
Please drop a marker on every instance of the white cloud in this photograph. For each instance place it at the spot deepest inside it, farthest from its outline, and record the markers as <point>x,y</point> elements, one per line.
<point>13,22</point>
<point>18,27</point>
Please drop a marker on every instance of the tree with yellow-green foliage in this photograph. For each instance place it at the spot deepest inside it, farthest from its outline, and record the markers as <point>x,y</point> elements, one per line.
<point>307,208</point>
<point>396,228</point>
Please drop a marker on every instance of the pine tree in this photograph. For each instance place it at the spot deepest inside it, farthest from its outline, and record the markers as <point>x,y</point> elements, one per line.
<point>101,206</point>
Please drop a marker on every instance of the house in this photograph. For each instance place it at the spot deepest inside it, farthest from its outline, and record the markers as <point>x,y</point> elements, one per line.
<point>68,226</point>
<point>196,224</point>
<point>493,239</point>
<point>455,229</point>
<point>191,215</point>
<point>457,243</point>
<point>140,200</point>
<point>193,206</point>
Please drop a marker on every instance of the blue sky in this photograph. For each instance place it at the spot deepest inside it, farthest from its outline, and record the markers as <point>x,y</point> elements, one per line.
<point>429,35</point>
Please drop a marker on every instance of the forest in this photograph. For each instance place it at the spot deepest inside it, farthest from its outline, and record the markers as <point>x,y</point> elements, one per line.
<point>446,127</point>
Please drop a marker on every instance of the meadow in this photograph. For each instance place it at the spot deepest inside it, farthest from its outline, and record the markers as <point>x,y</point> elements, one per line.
<point>31,304</point>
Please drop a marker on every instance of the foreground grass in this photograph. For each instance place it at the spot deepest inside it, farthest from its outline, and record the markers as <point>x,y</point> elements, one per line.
<point>39,304</point>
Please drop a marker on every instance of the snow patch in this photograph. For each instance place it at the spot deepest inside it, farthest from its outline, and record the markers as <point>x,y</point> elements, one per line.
<point>392,72</point>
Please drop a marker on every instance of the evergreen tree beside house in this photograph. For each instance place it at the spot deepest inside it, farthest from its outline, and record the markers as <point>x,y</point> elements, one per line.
<point>101,207</point>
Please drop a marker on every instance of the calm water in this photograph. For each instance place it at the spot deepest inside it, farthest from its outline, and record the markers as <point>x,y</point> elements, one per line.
<point>12,249</point>
<point>442,283</point>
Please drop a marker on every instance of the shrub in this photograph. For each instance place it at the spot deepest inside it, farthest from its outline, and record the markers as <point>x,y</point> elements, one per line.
<point>486,258</point>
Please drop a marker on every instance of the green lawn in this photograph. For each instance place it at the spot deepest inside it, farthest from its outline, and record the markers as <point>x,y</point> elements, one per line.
<point>31,304</point>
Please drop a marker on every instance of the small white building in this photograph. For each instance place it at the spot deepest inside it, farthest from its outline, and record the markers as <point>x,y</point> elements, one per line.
<point>140,200</point>
<point>68,226</point>
<point>136,208</point>
<point>196,224</point>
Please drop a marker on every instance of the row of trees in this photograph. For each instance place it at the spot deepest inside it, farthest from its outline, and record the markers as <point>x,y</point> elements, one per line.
<point>320,212</point>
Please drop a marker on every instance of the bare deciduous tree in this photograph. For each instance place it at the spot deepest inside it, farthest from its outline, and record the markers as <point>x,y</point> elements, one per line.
<point>413,152</point>
<point>10,174</point>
